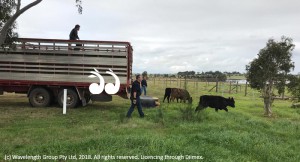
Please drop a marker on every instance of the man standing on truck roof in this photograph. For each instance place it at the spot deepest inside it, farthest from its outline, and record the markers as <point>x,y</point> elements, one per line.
<point>74,36</point>
<point>135,97</point>
<point>74,33</point>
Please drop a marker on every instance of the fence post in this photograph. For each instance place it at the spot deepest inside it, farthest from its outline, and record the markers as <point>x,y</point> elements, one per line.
<point>185,83</point>
<point>241,88</point>
<point>180,82</point>
<point>230,87</point>
<point>217,85</point>
<point>246,88</point>
<point>236,88</point>
<point>222,88</point>
<point>166,82</point>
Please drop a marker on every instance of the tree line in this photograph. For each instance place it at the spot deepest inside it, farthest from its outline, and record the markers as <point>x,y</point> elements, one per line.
<point>203,76</point>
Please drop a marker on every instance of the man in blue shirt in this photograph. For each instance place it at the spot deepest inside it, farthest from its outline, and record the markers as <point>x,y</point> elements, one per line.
<point>135,97</point>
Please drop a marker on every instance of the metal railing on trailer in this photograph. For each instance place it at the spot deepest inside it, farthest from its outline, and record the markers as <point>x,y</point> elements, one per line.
<point>53,59</point>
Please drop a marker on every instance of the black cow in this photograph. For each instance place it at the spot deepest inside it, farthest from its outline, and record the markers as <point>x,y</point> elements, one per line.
<point>167,94</point>
<point>216,102</point>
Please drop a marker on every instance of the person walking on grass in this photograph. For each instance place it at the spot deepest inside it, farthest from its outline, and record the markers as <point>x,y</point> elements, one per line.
<point>144,86</point>
<point>135,97</point>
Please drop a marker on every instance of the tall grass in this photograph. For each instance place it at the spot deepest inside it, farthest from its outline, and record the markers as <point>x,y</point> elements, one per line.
<point>242,134</point>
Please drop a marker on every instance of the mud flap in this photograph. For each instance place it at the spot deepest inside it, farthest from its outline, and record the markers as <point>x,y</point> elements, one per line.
<point>82,99</point>
<point>103,97</point>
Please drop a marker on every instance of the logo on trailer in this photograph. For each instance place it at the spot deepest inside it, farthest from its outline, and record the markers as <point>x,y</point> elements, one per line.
<point>109,88</point>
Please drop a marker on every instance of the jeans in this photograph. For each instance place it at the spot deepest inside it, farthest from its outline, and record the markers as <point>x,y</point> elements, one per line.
<point>139,106</point>
<point>144,88</point>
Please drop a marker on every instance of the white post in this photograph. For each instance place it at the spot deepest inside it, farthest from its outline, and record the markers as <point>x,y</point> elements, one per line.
<point>65,102</point>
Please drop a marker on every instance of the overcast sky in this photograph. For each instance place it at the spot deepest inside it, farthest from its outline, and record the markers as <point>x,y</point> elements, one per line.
<point>173,35</point>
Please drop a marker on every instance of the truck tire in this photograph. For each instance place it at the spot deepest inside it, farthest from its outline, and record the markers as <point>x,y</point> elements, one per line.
<point>39,97</point>
<point>72,98</point>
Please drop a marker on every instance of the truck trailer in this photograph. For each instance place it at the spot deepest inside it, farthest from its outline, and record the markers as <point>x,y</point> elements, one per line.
<point>43,68</point>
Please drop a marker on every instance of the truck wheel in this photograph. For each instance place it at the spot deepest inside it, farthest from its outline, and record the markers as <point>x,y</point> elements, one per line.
<point>39,97</point>
<point>72,98</point>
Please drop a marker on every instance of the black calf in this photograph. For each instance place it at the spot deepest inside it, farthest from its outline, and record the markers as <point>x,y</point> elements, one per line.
<point>167,94</point>
<point>216,102</point>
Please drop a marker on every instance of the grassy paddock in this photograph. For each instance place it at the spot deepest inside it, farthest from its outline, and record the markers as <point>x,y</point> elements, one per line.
<point>242,134</point>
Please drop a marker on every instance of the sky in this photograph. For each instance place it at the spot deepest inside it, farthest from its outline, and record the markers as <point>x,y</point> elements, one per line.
<point>173,35</point>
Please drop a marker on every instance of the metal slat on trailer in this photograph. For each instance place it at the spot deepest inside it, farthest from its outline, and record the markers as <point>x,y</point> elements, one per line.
<point>55,66</point>
<point>55,60</point>
<point>58,77</point>
<point>64,59</point>
<point>67,52</point>
<point>54,71</point>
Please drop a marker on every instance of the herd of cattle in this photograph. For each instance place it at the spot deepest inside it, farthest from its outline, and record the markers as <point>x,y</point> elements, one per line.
<point>216,102</point>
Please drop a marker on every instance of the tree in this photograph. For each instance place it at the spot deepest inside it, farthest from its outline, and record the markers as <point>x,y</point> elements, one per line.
<point>270,69</point>
<point>10,17</point>
<point>186,73</point>
<point>6,9</point>
<point>10,10</point>
<point>294,87</point>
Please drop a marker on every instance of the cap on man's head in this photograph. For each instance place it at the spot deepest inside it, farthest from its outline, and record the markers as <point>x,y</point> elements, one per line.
<point>77,26</point>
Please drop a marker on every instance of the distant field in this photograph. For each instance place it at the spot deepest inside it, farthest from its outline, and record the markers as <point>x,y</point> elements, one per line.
<point>240,77</point>
<point>242,134</point>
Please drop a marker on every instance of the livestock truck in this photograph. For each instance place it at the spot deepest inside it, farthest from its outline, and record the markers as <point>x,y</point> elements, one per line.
<point>43,68</point>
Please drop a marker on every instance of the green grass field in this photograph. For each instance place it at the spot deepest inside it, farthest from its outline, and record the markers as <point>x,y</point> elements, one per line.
<point>242,134</point>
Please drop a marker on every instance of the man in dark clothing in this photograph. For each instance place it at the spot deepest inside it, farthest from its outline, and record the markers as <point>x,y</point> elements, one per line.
<point>74,33</point>
<point>74,36</point>
<point>144,86</point>
<point>135,97</point>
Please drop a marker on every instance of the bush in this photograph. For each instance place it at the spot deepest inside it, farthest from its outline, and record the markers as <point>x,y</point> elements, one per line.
<point>159,117</point>
<point>187,113</point>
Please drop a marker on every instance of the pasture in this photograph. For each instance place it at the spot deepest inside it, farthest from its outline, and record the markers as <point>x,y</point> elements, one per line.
<point>174,129</point>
